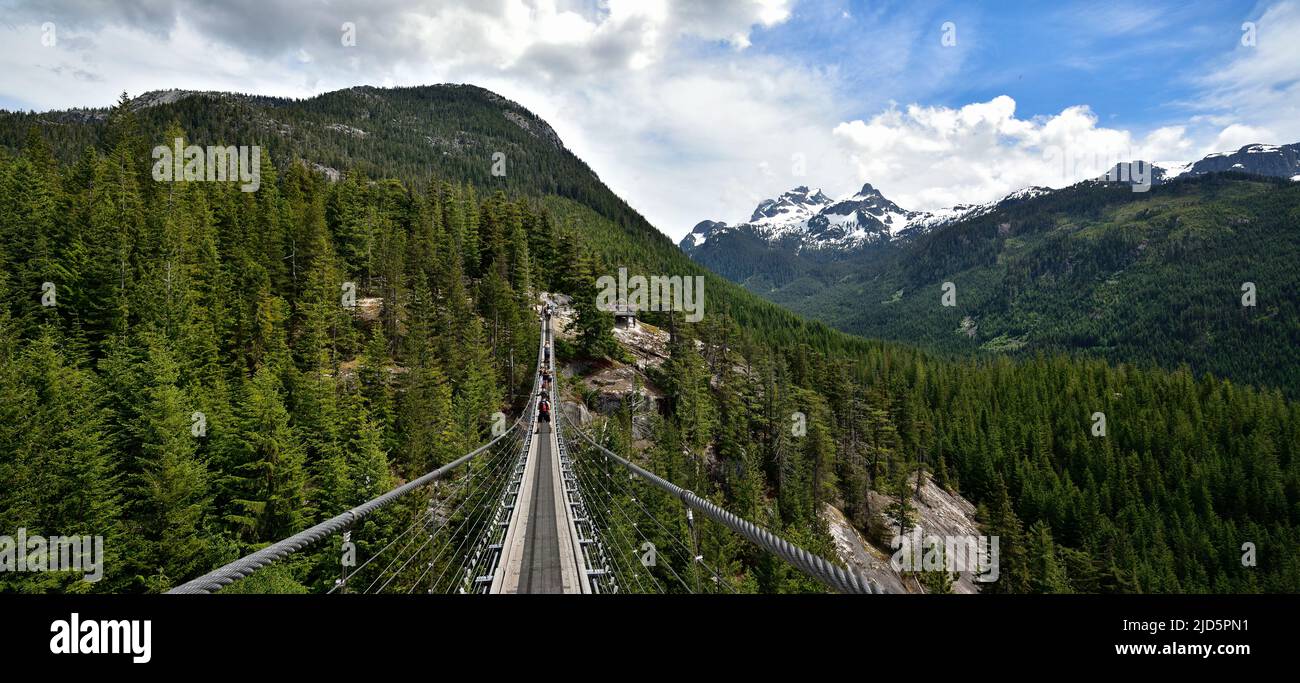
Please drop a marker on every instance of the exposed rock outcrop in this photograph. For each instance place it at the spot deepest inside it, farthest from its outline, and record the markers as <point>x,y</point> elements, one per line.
<point>937,512</point>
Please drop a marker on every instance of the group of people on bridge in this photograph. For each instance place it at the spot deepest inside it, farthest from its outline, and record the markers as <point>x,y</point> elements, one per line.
<point>544,405</point>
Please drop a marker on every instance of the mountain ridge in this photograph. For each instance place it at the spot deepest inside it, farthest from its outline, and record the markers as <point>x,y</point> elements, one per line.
<point>249,340</point>
<point>1094,268</point>
<point>802,220</point>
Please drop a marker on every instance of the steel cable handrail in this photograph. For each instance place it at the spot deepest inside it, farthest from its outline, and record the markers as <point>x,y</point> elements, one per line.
<point>672,536</point>
<point>832,575</point>
<point>429,538</point>
<point>592,480</point>
<point>223,576</point>
<point>219,578</point>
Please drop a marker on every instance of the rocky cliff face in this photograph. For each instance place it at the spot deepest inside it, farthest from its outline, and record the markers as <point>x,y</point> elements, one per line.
<point>938,513</point>
<point>606,386</point>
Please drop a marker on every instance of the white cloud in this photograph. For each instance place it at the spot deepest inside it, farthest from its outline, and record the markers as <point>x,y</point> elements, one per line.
<point>682,140</point>
<point>666,99</point>
<point>1258,84</point>
<point>632,86</point>
<point>1238,135</point>
<point>982,151</point>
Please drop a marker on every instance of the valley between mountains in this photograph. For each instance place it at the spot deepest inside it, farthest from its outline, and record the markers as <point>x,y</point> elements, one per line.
<point>976,418</point>
<point>1154,274</point>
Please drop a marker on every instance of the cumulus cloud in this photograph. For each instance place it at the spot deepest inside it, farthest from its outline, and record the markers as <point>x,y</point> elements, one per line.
<point>632,86</point>
<point>1258,83</point>
<point>667,99</point>
<point>983,151</point>
<point>932,157</point>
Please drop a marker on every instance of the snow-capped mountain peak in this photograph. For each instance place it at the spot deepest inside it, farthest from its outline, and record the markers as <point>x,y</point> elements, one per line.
<point>1279,161</point>
<point>798,203</point>
<point>818,221</point>
<point>808,219</point>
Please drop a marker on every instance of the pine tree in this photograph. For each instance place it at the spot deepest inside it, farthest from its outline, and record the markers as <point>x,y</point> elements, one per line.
<point>901,509</point>
<point>594,326</point>
<point>1047,575</point>
<point>936,581</point>
<point>271,476</point>
<point>367,461</point>
<point>107,274</point>
<point>1013,563</point>
<point>170,489</point>
<point>56,462</point>
<point>688,392</point>
<point>123,134</point>
<point>375,385</point>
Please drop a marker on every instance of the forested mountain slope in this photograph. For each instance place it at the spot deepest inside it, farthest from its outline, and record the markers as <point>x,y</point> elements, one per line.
<point>184,297</point>
<point>1153,277</point>
<point>416,135</point>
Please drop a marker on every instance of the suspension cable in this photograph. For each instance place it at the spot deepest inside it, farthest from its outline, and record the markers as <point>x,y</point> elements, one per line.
<point>595,477</point>
<point>717,577</point>
<point>611,528</point>
<point>421,519</point>
<point>243,567</point>
<point>478,497</point>
<point>831,575</point>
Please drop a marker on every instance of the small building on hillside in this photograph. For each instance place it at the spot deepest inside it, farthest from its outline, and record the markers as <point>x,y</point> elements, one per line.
<point>624,316</point>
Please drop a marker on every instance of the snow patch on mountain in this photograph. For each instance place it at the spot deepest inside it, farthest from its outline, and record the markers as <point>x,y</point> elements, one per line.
<point>1278,161</point>
<point>776,217</point>
<point>809,220</point>
<point>806,219</point>
<point>1173,169</point>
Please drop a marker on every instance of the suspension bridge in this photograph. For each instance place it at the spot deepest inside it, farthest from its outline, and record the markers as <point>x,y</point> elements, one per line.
<point>543,507</point>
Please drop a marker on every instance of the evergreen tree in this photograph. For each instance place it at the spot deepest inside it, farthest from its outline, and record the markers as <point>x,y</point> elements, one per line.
<point>170,489</point>
<point>55,461</point>
<point>1047,575</point>
<point>271,476</point>
<point>937,581</point>
<point>592,323</point>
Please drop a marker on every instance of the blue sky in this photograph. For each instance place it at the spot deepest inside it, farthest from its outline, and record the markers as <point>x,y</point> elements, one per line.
<point>1133,61</point>
<point>693,110</point>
